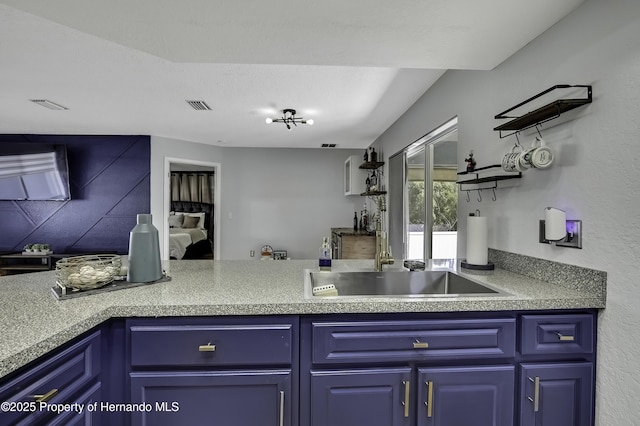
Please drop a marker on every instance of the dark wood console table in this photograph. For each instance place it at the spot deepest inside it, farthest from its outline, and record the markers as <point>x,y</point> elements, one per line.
<point>17,263</point>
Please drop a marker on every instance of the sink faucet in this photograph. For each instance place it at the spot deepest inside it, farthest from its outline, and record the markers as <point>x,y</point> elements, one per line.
<point>383,253</point>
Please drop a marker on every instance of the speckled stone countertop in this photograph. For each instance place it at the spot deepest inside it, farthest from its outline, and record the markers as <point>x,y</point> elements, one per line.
<point>34,322</point>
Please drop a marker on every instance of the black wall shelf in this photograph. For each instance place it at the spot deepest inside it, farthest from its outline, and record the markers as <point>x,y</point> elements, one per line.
<point>371,165</point>
<point>475,177</point>
<point>543,114</point>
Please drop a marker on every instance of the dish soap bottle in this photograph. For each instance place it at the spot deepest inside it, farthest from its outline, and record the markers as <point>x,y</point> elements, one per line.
<point>324,261</point>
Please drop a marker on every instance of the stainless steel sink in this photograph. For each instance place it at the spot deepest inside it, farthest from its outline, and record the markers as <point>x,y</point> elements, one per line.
<point>399,283</point>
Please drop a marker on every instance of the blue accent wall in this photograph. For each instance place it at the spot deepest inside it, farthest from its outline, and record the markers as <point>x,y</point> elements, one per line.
<point>109,182</point>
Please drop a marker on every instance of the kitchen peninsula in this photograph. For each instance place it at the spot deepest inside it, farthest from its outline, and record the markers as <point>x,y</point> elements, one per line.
<point>268,293</point>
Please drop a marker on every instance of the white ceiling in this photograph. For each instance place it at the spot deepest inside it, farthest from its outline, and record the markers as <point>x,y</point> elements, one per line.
<point>354,66</point>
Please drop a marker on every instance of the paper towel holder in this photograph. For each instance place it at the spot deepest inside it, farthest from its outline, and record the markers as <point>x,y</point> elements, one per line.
<point>573,238</point>
<point>465,264</point>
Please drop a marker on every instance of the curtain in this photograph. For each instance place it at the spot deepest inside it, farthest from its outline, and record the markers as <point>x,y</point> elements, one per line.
<point>196,187</point>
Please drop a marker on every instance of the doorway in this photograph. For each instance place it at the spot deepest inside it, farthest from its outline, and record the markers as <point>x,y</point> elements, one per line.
<point>423,215</point>
<point>195,167</point>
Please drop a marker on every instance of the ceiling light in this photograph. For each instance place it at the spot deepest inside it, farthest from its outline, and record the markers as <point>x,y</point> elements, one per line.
<point>289,118</point>
<point>48,104</point>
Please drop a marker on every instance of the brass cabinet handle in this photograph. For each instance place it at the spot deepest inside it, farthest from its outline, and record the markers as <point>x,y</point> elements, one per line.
<point>46,397</point>
<point>536,394</point>
<point>207,348</point>
<point>429,402</point>
<point>565,338</point>
<point>407,391</point>
<point>420,345</point>
<point>281,408</point>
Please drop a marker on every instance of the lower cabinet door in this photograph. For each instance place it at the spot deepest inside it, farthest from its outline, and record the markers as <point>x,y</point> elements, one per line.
<point>368,397</point>
<point>90,414</point>
<point>464,396</point>
<point>230,398</point>
<point>557,394</point>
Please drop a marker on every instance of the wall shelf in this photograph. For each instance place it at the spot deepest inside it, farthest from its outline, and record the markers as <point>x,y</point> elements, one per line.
<point>371,165</point>
<point>373,193</point>
<point>475,178</point>
<point>543,114</point>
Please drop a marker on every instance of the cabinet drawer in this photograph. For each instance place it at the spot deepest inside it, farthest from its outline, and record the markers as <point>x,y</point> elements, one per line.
<point>57,379</point>
<point>211,345</point>
<point>375,341</point>
<point>556,334</point>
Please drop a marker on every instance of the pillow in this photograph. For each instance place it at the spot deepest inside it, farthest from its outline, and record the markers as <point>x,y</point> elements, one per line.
<point>175,220</point>
<point>190,222</point>
<point>200,217</point>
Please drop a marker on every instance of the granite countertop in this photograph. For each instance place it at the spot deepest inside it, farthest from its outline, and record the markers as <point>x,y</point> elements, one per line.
<point>34,322</point>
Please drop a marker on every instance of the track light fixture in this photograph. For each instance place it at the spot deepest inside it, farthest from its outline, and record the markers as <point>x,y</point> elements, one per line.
<point>289,118</point>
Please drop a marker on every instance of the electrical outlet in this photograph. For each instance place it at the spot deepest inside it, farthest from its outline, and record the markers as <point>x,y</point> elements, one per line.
<point>573,238</point>
<point>252,253</point>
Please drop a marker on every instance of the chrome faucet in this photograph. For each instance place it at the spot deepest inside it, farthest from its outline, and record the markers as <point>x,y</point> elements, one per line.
<point>383,253</point>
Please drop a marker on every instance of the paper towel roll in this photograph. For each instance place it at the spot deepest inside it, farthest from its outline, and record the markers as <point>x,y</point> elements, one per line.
<point>555,224</point>
<point>477,249</point>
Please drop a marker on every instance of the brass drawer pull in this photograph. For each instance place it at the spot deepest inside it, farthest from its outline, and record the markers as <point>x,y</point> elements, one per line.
<point>407,392</point>
<point>565,338</point>
<point>429,402</point>
<point>46,397</point>
<point>536,394</point>
<point>207,348</point>
<point>281,423</point>
<point>420,345</point>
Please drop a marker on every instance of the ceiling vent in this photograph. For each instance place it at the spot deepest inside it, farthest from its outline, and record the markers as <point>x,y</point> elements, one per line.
<point>199,105</point>
<point>48,104</point>
<point>328,145</point>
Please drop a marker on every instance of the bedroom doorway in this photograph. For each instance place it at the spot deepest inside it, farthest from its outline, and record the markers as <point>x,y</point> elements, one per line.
<point>191,189</point>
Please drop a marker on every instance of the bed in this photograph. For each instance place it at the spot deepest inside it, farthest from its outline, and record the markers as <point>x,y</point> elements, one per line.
<point>190,230</point>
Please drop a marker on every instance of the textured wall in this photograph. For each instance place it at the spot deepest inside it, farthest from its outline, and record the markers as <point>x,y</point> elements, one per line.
<point>109,180</point>
<point>595,177</point>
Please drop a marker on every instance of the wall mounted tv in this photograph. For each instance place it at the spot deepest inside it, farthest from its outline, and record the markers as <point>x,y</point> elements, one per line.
<point>30,171</point>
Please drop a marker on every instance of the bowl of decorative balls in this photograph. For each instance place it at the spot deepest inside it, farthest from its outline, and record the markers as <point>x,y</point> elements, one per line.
<point>87,272</point>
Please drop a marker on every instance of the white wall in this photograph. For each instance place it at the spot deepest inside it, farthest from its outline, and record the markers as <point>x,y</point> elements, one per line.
<point>287,198</point>
<point>595,178</point>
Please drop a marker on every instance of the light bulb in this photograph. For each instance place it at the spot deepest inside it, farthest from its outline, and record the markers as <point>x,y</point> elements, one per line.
<point>310,122</point>
<point>269,120</point>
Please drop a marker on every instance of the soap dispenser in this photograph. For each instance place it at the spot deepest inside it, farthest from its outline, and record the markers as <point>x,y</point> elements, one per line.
<point>324,261</point>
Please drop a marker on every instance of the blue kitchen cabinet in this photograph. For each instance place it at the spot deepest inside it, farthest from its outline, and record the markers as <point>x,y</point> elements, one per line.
<point>367,397</point>
<point>229,398</point>
<point>459,369</point>
<point>557,370</point>
<point>557,394</point>
<point>373,370</point>
<point>92,396</point>
<point>463,396</point>
<point>231,371</point>
<point>71,375</point>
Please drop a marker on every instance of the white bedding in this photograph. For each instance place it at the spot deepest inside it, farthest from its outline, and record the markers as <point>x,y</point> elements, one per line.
<point>181,238</point>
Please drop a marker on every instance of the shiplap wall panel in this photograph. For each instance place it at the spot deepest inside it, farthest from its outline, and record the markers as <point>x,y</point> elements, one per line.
<point>109,180</point>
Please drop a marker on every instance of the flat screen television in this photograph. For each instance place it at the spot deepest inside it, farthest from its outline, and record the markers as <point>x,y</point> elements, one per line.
<point>34,172</point>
